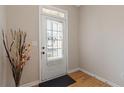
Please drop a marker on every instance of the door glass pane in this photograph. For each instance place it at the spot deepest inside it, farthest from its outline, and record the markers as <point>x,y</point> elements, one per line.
<point>60,35</point>
<point>55,50</point>
<point>60,53</point>
<point>49,34</point>
<point>55,44</point>
<point>60,44</point>
<point>55,26</point>
<point>55,35</point>
<point>54,39</point>
<point>53,12</point>
<point>49,52</point>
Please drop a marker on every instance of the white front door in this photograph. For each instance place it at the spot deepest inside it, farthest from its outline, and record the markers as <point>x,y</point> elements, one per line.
<point>53,47</point>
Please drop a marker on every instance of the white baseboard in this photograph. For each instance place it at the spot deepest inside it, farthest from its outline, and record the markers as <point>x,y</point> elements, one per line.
<point>73,70</point>
<point>100,78</point>
<point>31,84</point>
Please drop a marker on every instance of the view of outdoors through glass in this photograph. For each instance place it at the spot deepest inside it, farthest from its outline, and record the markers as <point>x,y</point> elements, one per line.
<point>54,39</point>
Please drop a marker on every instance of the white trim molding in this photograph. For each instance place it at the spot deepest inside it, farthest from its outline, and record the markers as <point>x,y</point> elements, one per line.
<point>34,83</point>
<point>73,70</point>
<point>100,78</point>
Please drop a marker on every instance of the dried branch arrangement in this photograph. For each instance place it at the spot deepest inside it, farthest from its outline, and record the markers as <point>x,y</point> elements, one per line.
<point>18,52</point>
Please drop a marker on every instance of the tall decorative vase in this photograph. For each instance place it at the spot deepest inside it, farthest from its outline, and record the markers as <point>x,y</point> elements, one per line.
<point>18,52</point>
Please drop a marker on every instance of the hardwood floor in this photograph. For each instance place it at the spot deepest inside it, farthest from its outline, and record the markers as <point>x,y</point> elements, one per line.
<point>84,80</point>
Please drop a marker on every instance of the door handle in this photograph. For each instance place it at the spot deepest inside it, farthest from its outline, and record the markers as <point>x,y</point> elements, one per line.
<point>43,53</point>
<point>43,47</point>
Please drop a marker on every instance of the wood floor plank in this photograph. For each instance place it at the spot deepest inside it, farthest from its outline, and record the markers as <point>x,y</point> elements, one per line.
<point>84,80</point>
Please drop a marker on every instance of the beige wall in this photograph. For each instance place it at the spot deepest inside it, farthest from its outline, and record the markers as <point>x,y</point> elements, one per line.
<point>102,41</point>
<point>26,18</point>
<point>2,26</point>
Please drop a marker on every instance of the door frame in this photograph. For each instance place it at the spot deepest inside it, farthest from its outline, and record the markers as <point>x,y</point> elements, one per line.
<point>40,38</point>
